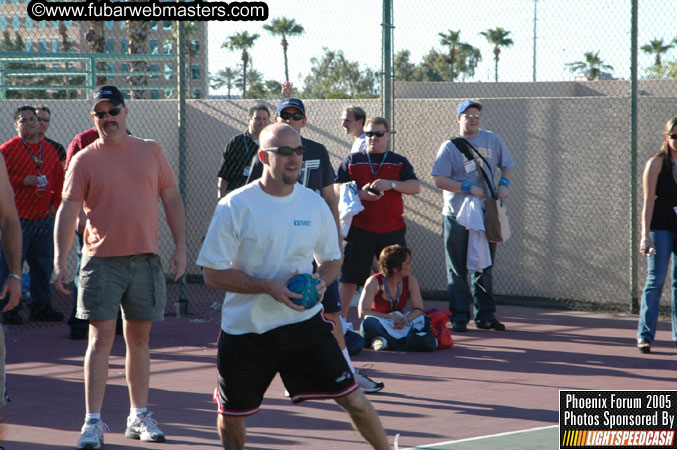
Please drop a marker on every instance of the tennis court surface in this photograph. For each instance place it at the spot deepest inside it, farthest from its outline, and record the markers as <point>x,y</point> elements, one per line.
<point>491,390</point>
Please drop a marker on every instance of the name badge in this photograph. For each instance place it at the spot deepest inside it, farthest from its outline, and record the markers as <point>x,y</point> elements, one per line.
<point>469,166</point>
<point>246,170</point>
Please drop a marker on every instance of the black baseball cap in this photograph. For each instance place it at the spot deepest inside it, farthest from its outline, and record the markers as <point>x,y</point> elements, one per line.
<point>107,93</point>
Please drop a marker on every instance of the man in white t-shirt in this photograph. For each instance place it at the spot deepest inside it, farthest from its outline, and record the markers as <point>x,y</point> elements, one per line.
<point>352,120</point>
<point>260,236</point>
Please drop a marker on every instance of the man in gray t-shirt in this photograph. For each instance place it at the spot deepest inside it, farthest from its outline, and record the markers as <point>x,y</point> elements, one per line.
<point>457,176</point>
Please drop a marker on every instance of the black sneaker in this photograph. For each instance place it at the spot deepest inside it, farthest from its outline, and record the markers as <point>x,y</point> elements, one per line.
<point>492,324</point>
<point>47,314</point>
<point>12,317</point>
<point>460,327</point>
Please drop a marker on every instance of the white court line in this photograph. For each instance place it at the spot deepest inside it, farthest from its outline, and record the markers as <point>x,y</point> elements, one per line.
<point>481,437</point>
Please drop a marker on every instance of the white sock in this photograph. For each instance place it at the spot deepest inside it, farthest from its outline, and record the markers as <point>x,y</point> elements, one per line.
<point>347,357</point>
<point>90,416</point>
<point>134,412</point>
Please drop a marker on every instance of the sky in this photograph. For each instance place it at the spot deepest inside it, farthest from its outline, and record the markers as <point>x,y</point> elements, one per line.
<point>565,30</point>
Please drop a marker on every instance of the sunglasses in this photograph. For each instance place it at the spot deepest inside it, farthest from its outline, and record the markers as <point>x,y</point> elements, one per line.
<point>672,136</point>
<point>374,133</point>
<point>286,151</point>
<point>287,116</point>
<point>471,116</point>
<point>113,112</point>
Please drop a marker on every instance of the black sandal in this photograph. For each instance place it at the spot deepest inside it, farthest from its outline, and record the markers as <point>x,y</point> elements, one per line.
<point>644,346</point>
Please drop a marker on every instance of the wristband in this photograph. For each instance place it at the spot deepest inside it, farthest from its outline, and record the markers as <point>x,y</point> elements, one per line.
<point>504,182</point>
<point>14,275</point>
<point>465,187</point>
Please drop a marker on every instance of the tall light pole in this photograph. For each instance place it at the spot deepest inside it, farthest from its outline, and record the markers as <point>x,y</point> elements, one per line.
<point>535,36</point>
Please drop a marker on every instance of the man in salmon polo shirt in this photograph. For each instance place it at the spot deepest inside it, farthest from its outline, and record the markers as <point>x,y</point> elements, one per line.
<point>118,179</point>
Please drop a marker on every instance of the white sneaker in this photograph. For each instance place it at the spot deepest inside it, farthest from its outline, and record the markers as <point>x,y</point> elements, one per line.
<point>144,427</point>
<point>367,384</point>
<point>379,343</point>
<point>91,436</point>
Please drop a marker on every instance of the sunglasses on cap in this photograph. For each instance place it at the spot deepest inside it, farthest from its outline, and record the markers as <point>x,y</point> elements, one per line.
<point>113,112</point>
<point>374,133</point>
<point>287,115</point>
<point>286,151</point>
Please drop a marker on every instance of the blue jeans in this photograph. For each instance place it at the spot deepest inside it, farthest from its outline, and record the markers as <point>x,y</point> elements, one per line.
<point>38,252</point>
<point>371,328</point>
<point>664,241</point>
<point>480,292</point>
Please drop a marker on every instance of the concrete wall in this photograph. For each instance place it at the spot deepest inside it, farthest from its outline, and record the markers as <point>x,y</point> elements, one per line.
<point>569,200</point>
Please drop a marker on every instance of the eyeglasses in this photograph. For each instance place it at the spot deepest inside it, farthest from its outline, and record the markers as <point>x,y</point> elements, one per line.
<point>374,133</point>
<point>286,151</point>
<point>287,116</point>
<point>672,136</point>
<point>113,112</point>
<point>471,116</point>
<point>43,120</point>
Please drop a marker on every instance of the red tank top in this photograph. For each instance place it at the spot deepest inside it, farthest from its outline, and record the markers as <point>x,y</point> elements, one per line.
<point>381,301</point>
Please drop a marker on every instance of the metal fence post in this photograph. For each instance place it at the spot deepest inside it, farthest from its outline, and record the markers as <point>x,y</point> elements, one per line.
<point>181,57</point>
<point>387,65</point>
<point>633,161</point>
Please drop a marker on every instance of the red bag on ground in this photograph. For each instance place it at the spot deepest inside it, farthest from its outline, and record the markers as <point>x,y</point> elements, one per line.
<point>438,322</point>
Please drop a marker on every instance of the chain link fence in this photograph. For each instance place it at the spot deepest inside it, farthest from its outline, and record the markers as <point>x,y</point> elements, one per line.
<point>558,94</point>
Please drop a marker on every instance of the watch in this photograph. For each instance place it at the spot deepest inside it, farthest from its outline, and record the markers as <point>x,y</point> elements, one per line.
<point>392,185</point>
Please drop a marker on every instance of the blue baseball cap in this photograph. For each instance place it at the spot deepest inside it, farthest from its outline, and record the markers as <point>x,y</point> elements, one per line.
<point>465,104</point>
<point>290,102</point>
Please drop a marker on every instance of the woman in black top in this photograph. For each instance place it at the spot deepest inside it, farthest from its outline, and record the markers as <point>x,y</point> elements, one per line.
<point>659,235</point>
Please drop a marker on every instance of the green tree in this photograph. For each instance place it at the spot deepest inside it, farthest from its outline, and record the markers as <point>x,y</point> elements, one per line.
<point>451,40</point>
<point>286,28</point>
<point>18,45</point>
<point>225,77</point>
<point>333,76</point>
<point>668,70</point>
<point>498,37</point>
<point>405,70</point>
<point>242,41</point>
<point>657,47</point>
<point>592,66</point>
<point>434,66</point>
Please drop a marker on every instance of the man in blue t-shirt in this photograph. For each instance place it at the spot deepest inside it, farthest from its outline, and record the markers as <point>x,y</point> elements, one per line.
<point>318,174</point>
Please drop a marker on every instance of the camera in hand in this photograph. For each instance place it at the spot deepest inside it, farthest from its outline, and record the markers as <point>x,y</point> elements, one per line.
<point>372,190</point>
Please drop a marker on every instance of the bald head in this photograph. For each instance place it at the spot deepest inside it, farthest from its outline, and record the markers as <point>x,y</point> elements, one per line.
<point>279,135</point>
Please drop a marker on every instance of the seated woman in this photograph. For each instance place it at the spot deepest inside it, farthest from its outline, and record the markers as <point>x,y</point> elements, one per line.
<point>384,299</point>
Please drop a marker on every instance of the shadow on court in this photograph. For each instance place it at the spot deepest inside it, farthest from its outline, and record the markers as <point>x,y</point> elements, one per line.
<point>490,383</point>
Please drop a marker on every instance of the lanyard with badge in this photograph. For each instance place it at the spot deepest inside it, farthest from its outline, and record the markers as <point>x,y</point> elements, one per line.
<point>394,302</point>
<point>371,167</point>
<point>245,137</point>
<point>42,180</point>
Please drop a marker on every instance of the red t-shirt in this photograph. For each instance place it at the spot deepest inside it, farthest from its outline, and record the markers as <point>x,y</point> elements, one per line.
<point>79,142</point>
<point>32,203</point>
<point>382,304</point>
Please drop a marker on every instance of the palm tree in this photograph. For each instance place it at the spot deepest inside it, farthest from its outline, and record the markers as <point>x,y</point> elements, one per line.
<point>284,27</point>
<point>97,43</point>
<point>137,33</point>
<point>224,77</point>
<point>242,41</point>
<point>657,47</point>
<point>189,29</point>
<point>592,65</point>
<point>499,38</point>
<point>451,40</point>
